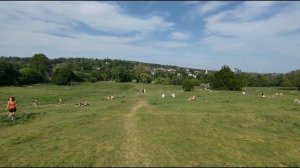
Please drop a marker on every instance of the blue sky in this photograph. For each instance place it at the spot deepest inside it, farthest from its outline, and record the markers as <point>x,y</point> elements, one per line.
<point>254,36</point>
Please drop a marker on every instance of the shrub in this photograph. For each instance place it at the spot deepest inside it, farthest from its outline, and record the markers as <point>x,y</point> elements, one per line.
<point>8,75</point>
<point>64,76</point>
<point>187,85</point>
<point>225,79</point>
<point>29,76</point>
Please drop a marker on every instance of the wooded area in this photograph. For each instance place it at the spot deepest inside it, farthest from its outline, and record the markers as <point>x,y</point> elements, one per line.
<point>40,69</point>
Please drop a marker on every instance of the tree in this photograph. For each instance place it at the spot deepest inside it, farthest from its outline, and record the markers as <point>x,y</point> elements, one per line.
<point>29,76</point>
<point>164,81</point>
<point>40,63</point>
<point>176,80</point>
<point>104,76</point>
<point>8,75</point>
<point>195,82</point>
<point>138,70</point>
<point>225,79</point>
<point>145,78</point>
<point>64,76</point>
<point>121,74</point>
<point>116,73</point>
<point>242,79</point>
<point>187,85</point>
<point>293,78</point>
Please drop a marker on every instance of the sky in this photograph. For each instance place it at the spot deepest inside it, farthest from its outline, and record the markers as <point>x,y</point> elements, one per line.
<point>254,36</point>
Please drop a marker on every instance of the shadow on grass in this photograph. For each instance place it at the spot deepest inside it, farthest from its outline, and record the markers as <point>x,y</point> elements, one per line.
<point>20,119</point>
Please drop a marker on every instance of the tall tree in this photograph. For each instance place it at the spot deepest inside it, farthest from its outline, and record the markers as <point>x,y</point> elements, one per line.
<point>225,79</point>
<point>28,76</point>
<point>8,75</point>
<point>64,76</point>
<point>40,63</point>
<point>187,85</point>
<point>293,78</point>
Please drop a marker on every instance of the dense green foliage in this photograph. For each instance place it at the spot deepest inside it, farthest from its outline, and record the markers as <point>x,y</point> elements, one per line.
<point>40,64</point>
<point>187,85</point>
<point>63,76</point>
<point>40,69</point>
<point>225,79</point>
<point>8,74</point>
<point>293,79</point>
<point>29,76</point>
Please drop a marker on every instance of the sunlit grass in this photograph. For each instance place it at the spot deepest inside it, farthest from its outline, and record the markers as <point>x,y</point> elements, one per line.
<point>219,128</point>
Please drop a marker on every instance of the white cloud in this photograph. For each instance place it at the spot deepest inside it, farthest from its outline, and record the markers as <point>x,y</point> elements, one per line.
<point>251,9</point>
<point>170,44</point>
<point>180,36</point>
<point>27,43</point>
<point>257,35</point>
<point>107,17</point>
<point>209,7</point>
<point>254,36</point>
<point>249,33</point>
<point>53,27</point>
<point>37,26</point>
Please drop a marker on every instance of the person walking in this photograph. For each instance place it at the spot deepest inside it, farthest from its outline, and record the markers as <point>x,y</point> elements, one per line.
<point>11,107</point>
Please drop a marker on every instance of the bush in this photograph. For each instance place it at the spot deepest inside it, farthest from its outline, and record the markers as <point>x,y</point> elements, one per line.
<point>29,76</point>
<point>164,81</point>
<point>63,76</point>
<point>187,85</point>
<point>145,78</point>
<point>293,78</point>
<point>196,82</point>
<point>225,79</point>
<point>8,75</point>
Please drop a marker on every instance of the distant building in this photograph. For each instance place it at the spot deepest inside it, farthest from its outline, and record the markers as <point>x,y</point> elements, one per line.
<point>235,70</point>
<point>192,75</point>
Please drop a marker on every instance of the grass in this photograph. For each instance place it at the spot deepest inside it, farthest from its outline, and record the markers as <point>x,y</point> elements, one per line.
<point>219,128</point>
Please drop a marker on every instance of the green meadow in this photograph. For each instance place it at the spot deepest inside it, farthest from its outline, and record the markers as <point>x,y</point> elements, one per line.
<point>218,128</point>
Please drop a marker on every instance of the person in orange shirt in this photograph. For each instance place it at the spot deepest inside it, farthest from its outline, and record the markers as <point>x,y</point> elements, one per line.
<point>12,108</point>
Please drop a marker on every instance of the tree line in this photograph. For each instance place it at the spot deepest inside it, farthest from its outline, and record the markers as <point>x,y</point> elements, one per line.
<point>40,69</point>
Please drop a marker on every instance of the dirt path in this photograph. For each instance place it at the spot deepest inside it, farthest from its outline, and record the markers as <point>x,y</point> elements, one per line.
<point>134,155</point>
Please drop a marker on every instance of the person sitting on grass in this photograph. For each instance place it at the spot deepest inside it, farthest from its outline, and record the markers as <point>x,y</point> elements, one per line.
<point>12,108</point>
<point>297,101</point>
<point>192,98</point>
<point>83,104</point>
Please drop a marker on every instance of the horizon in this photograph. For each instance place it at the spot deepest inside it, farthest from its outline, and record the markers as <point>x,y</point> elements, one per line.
<point>156,64</point>
<point>254,36</point>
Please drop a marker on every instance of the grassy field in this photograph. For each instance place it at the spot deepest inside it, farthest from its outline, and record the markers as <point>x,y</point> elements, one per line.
<point>219,128</point>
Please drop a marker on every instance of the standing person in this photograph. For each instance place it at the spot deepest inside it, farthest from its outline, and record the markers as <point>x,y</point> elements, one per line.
<point>35,102</point>
<point>12,107</point>
<point>173,94</point>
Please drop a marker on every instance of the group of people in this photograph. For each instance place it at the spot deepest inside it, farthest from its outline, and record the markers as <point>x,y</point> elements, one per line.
<point>276,94</point>
<point>142,90</point>
<point>12,106</point>
<point>83,104</point>
<point>12,103</point>
<point>172,95</point>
